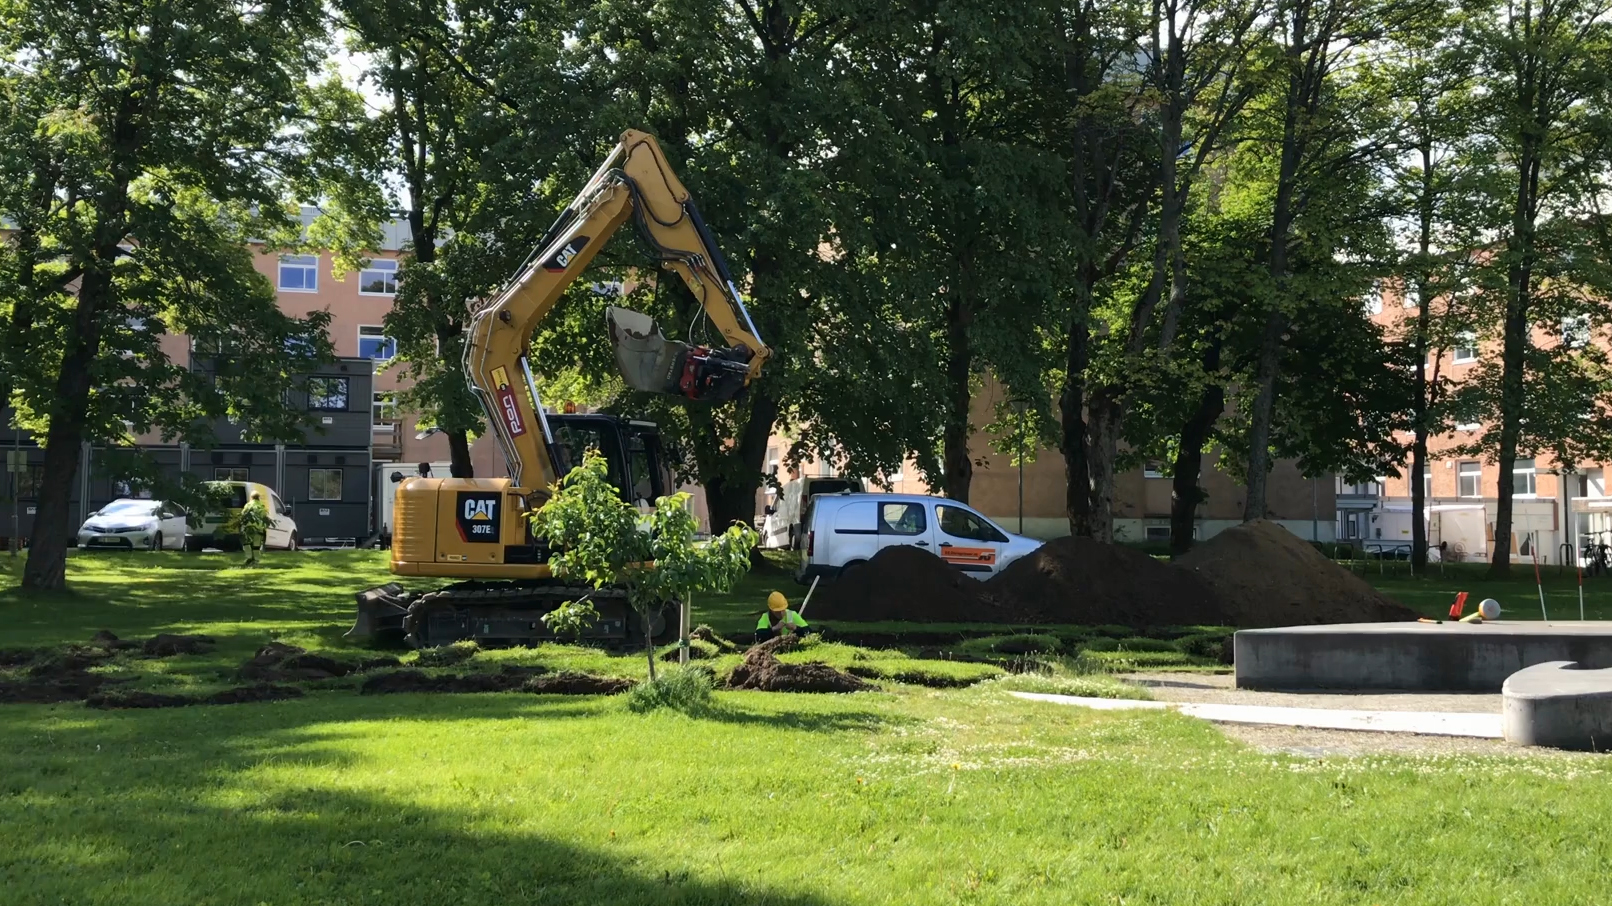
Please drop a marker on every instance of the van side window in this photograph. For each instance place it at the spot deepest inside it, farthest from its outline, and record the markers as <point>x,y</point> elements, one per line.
<point>901,519</point>
<point>960,523</point>
<point>853,518</point>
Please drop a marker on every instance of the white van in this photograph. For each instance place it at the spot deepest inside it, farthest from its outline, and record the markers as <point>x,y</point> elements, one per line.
<point>843,530</point>
<point>783,523</point>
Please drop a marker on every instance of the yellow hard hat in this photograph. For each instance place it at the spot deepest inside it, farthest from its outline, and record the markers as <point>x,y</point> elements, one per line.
<point>776,601</point>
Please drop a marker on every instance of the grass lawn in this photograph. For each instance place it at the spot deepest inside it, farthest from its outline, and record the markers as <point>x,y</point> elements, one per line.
<point>910,795</point>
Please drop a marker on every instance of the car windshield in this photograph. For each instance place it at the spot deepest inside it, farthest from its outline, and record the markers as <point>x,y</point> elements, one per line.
<point>130,508</point>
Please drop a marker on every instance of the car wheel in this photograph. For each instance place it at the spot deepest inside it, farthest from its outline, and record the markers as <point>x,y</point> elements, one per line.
<point>291,544</point>
<point>848,567</point>
<point>156,542</point>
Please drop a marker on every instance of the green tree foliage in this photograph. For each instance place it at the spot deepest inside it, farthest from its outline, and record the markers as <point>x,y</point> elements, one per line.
<point>603,541</point>
<point>148,142</point>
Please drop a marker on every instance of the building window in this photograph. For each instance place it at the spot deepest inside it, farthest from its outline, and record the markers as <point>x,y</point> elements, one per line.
<point>379,279</point>
<point>772,461</point>
<point>1576,331</point>
<point>373,343</point>
<point>900,474</point>
<point>1374,300</point>
<point>324,484</point>
<point>1427,483</point>
<point>1413,296</point>
<point>299,273</point>
<point>1468,426</point>
<point>1469,479</point>
<point>230,473</point>
<point>1156,533</point>
<point>1523,474</point>
<point>1466,347</point>
<point>383,411</point>
<point>1153,469</point>
<point>29,481</point>
<point>328,394</point>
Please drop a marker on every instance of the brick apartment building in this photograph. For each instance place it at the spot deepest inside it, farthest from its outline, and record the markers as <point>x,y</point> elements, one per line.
<point>1557,507</point>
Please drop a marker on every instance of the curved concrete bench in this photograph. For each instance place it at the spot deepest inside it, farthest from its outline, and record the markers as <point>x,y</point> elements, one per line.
<point>1558,704</point>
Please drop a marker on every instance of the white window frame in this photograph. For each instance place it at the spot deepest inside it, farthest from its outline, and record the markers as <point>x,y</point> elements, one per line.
<point>380,266</point>
<point>300,262</point>
<point>1410,296</point>
<point>341,478</point>
<point>1155,533</point>
<point>229,473</point>
<point>1471,348</point>
<point>1532,482</point>
<point>1374,299</point>
<point>346,394</point>
<point>1468,426</point>
<point>379,334</point>
<point>1153,469</point>
<point>1575,331</point>
<point>382,401</point>
<point>1461,474</point>
<point>900,474</point>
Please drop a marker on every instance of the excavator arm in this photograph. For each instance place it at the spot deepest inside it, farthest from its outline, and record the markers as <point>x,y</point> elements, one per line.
<point>635,182</point>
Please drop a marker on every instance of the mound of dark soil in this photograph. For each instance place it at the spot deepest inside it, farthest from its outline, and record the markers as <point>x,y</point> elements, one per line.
<point>108,701</point>
<point>109,642</point>
<point>16,657</point>
<point>262,692</point>
<point>577,684</point>
<point>510,679</point>
<point>1267,576</point>
<point>278,662</point>
<point>70,686</point>
<point>1078,580</point>
<point>166,645</point>
<point>912,585</point>
<point>763,672</point>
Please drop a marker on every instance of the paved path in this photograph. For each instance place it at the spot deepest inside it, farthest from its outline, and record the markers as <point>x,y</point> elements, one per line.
<point>1427,723</point>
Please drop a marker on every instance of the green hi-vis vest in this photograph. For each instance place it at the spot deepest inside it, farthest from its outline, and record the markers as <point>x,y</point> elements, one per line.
<point>791,620</point>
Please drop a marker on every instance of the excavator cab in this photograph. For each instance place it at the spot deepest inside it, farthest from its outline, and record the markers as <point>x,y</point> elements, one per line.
<point>631,449</point>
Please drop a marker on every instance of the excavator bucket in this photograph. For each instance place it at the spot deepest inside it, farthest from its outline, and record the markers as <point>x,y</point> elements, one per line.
<point>648,361</point>
<point>654,364</point>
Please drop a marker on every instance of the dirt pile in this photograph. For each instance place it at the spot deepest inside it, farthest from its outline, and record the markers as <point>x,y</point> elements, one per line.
<point>106,641</point>
<point>1267,576</point>
<point>763,672</point>
<point>263,692</point>
<point>510,679</point>
<point>1078,580</point>
<point>912,585</point>
<point>278,662</point>
<point>166,645</point>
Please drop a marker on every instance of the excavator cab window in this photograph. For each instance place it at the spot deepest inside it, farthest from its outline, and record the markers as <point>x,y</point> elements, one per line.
<point>576,437</point>
<point>651,479</point>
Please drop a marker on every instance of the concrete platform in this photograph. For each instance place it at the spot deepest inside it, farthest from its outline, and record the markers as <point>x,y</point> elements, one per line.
<point>1415,657</point>
<point>1426,723</point>
<point>1558,704</point>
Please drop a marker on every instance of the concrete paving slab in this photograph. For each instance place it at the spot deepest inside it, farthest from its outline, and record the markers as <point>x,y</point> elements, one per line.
<point>1427,723</point>
<point>1407,656</point>
<point>1559,704</point>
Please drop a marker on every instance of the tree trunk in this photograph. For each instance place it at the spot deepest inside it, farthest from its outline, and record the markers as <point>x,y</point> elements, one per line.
<point>649,645</point>
<point>1419,468</point>
<point>459,465</point>
<point>958,465</point>
<point>1103,415</point>
<point>1259,427</point>
<point>1519,298</point>
<point>730,493</point>
<point>47,559</point>
<point>1185,491</point>
<point>1072,412</point>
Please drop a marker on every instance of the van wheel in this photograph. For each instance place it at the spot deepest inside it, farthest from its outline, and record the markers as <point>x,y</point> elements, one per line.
<point>193,545</point>
<point>848,567</point>
<point>291,545</point>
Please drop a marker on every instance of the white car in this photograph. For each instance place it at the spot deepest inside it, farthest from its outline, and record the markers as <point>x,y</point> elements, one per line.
<point>133,524</point>
<point>844,530</point>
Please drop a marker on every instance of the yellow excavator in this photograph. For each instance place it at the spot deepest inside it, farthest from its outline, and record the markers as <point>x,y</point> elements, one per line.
<point>478,530</point>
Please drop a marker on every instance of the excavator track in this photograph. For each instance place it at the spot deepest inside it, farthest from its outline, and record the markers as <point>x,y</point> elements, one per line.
<point>493,614</point>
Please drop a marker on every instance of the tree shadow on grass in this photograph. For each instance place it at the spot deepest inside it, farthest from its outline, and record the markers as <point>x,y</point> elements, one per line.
<point>296,802</point>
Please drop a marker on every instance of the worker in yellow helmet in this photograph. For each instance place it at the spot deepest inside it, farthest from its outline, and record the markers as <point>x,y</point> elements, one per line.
<point>778,619</point>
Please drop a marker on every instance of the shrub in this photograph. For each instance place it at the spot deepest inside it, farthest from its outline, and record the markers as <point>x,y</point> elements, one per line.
<point>1207,644</point>
<point>685,689</point>
<point>1019,643</point>
<point>1082,686</point>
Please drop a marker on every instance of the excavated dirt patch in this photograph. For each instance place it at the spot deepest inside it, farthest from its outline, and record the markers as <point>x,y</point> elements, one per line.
<point>107,641</point>
<point>278,662</point>
<point>762,671</point>
<point>511,679</point>
<point>166,645</point>
<point>263,692</point>
<point>1078,580</point>
<point>912,585</point>
<point>1267,576</point>
<point>69,686</point>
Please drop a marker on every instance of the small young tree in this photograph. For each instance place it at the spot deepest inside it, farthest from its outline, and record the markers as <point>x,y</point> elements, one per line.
<point>604,541</point>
